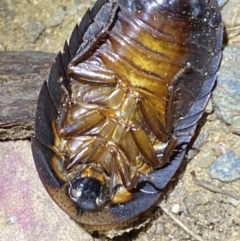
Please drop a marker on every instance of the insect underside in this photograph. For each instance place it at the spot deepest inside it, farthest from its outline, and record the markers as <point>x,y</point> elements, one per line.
<point>116,124</point>
<point>122,102</point>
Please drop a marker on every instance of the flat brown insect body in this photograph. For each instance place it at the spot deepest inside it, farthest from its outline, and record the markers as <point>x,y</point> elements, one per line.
<point>124,100</point>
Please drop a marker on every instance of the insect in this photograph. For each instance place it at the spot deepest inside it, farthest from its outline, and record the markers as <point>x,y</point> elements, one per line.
<point>121,104</point>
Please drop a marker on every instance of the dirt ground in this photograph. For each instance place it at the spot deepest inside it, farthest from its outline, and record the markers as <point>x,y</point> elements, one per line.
<point>26,211</point>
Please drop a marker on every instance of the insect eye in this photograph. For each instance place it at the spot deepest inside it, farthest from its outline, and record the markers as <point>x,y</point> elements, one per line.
<point>86,193</point>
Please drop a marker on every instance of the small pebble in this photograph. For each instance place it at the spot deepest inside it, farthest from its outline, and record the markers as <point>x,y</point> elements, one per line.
<point>226,168</point>
<point>198,143</point>
<point>217,149</point>
<point>221,3</point>
<point>56,18</point>
<point>211,117</point>
<point>217,138</point>
<point>205,157</point>
<point>143,236</point>
<point>11,219</point>
<point>209,107</point>
<point>234,202</point>
<point>176,209</point>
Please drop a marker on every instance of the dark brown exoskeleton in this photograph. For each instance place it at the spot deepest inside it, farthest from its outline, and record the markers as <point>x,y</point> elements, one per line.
<point>121,104</point>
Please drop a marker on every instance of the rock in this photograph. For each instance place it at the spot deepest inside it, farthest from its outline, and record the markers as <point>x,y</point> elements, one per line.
<point>231,20</point>
<point>176,209</point>
<point>56,18</point>
<point>33,29</point>
<point>226,98</point>
<point>197,144</point>
<point>205,157</point>
<point>222,2</point>
<point>226,168</point>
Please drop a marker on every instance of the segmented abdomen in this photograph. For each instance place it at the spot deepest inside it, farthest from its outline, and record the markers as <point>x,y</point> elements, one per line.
<point>118,111</point>
<point>140,75</point>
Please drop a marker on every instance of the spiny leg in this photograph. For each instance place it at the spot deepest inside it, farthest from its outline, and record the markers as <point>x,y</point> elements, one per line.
<point>94,43</point>
<point>172,142</point>
<point>170,103</point>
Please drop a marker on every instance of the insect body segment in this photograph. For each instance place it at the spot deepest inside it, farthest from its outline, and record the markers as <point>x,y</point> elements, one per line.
<point>127,87</point>
<point>125,108</point>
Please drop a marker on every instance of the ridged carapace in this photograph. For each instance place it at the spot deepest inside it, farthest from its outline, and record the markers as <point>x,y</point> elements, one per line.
<point>121,104</point>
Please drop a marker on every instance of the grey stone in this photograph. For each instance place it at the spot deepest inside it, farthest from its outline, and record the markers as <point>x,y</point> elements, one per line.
<point>226,168</point>
<point>221,3</point>
<point>226,97</point>
<point>33,29</point>
<point>56,18</point>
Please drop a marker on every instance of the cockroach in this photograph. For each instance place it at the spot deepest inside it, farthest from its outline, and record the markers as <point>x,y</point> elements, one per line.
<point>122,103</point>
